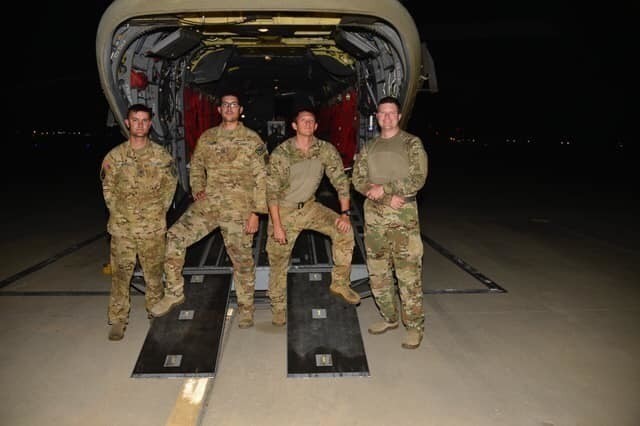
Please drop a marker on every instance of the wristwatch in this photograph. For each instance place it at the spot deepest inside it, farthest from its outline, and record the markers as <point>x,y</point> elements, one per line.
<point>346,212</point>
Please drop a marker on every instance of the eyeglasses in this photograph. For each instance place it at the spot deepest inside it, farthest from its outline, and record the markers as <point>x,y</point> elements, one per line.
<point>232,105</point>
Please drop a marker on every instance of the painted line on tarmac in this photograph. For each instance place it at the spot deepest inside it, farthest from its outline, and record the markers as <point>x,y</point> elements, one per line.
<point>492,286</point>
<point>188,407</point>
<point>31,269</point>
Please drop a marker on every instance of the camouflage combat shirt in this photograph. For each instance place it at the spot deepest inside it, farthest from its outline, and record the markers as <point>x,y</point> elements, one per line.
<point>138,187</point>
<point>230,166</point>
<point>398,163</point>
<point>295,176</point>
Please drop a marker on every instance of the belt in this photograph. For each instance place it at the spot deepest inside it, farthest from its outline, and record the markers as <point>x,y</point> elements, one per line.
<point>299,205</point>
<point>410,199</point>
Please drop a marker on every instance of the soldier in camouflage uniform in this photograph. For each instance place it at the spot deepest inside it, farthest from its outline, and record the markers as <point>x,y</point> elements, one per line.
<point>138,181</point>
<point>296,168</point>
<point>389,171</point>
<point>228,180</point>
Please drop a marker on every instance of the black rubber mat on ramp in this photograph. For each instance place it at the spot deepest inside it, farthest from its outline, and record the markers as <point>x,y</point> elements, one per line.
<point>323,331</point>
<point>186,341</point>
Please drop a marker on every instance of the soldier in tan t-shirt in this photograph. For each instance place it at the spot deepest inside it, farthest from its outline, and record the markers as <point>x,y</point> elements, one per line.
<point>138,183</point>
<point>389,171</point>
<point>296,168</point>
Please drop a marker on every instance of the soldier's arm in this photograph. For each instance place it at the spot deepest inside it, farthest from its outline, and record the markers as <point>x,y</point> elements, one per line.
<point>335,172</point>
<point>276,175</point>
<point>197,171</point>
<point>417,171</point>
<point>360,175</point>
<point>259,168</point>
<point>279,233</point>
<point>169,182</point>
<point>108,177</point>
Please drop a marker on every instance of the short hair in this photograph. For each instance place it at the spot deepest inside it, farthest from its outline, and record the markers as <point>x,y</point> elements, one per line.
<point>139,108</point>
<point>390,100</point>
<point>304,109</point>
<point>230,93</point>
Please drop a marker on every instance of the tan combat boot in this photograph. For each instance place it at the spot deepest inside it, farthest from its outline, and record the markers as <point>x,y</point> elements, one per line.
<point>164,306</point>
<point>116,332</point>
<point>279,318</point>
<point>412,339</point>
<point>382,326</point>
<point>245,318</point>
<point>346,293</point>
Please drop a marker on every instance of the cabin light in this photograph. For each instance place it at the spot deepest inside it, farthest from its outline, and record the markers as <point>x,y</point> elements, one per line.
<point>267,58</point>
<point>263,30</point>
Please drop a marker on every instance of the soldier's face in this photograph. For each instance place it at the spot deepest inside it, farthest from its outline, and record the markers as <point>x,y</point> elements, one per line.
<point>230,109</point>
<point>305,124</point>
<point>388,116</point>
<point>139,123</point>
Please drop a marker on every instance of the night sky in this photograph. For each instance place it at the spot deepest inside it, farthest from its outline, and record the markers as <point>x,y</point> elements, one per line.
<point>503,70</point>
<point>541,70</point>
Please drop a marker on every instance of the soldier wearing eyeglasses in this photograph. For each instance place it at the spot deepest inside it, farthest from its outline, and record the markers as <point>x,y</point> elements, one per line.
<point>228,182</point>
<point>389,171</point>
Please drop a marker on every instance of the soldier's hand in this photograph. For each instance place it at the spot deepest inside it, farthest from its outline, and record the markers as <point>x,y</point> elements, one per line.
<point>397,201</point>
<point>375,191</point>
<point>343,223</point>
<point>279,235</point>
<point>201,195</point>
<point>252,224</point>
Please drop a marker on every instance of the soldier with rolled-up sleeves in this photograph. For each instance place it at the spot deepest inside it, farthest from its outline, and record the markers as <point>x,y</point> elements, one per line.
<point>296,168</point>
<point>138,182</point>
<point>228,182</point>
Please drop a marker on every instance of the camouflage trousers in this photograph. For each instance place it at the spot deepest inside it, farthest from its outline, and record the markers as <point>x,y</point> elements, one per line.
<point>392,240</point>
<point>197,222</point>
<point>313,216</point>
<point>150,252</point>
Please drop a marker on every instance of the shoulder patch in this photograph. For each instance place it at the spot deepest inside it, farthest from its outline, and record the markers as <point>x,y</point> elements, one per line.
<point>261,149</point>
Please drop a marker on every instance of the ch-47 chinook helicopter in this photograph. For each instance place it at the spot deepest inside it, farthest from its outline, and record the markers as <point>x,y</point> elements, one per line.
<point>338,57</point>
<point>335,56</point>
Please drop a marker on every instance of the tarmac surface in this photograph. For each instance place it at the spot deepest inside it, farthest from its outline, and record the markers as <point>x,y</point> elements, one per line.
<point>560,347</point>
